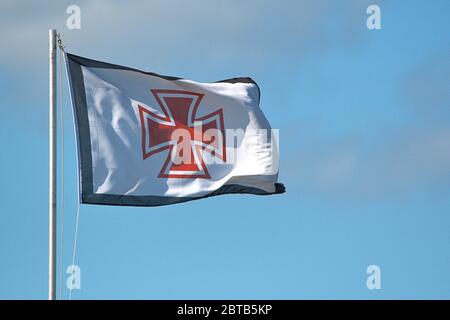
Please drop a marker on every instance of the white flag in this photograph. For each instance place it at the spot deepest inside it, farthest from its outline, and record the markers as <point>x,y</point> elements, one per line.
<point>146,140</point>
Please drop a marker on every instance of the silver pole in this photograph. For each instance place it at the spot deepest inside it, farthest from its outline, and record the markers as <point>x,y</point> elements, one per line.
<point>52,169</point>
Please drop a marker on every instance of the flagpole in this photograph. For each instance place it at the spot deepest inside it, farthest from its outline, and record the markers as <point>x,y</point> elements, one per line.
<point>52,168</point>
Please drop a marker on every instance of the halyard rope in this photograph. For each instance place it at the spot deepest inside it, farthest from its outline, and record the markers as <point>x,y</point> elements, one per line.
<point>75,241</point>
<point>74,251</point>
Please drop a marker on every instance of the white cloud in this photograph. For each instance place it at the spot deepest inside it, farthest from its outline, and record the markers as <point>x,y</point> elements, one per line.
<point>211,30</point>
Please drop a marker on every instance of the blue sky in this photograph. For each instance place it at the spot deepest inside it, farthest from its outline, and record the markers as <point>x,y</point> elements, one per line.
<point>364,119</point>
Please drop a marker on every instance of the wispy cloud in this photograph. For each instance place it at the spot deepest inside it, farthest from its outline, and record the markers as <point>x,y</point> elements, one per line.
<point>398,162</point>
<point>211,31</point>
<point>354,169</point>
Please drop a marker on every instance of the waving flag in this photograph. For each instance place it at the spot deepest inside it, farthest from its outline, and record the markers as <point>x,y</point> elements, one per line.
<point>146,140</point>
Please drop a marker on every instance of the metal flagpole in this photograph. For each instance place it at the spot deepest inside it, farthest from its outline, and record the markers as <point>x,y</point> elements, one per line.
<point>52,168</point>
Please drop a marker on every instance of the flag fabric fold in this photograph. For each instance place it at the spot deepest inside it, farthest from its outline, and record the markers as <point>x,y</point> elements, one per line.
<point>145,139</point>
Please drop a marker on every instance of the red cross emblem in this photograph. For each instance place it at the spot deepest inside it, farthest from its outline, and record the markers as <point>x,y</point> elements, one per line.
<point>179,130</point>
